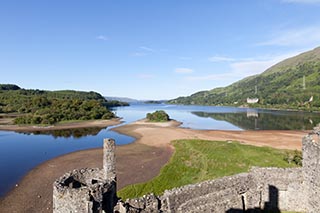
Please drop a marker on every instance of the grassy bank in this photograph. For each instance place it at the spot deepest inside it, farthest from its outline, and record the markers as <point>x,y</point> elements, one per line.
<point>198,160</point>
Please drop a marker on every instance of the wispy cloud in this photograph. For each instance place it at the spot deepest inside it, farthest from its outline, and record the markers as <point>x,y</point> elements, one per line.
<point>148,49</point>
<point>102,37</point>
<point>302,1</point>
<point>220,59</point>
<point>252,67</point>
<point>143,51</point>
<point>294,37</point>
<point>139,54</point>
<point>212,77</point>
<point>260,64</point>
<point>183,70</point>
<point>240,68</point>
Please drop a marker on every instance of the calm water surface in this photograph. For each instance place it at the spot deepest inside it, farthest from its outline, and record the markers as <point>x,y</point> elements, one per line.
<point>226,118</point>
<point>20,152</point>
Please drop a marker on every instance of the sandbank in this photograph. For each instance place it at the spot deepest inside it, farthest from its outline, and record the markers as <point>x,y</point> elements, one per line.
<point>136,162</point>
<point>62,126</point>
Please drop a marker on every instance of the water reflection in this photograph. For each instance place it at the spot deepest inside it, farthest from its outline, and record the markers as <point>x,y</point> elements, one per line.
<point>255,120</point>
<point>67,133</point>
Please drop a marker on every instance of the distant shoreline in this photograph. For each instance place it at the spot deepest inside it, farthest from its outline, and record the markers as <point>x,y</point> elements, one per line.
<point>248,107</point>
<point>61,126</point>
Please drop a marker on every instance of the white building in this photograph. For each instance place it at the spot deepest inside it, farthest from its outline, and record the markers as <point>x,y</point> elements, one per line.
<point>252,100</point>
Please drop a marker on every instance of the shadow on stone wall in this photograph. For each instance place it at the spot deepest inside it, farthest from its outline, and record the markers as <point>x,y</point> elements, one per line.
<point>269,207</point>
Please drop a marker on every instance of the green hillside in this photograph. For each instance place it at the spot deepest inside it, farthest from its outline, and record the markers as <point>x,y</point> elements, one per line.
<point>35,106</point>
<point>288,84</point>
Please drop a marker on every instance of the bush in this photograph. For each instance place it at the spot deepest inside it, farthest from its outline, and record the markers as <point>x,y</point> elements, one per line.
<point>295,157</point>
<point>158,116</point>
<point>108,115</point>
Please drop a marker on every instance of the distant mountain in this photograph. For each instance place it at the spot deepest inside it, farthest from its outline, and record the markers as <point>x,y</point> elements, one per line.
<point>121,99</point>
<point>130,100</point>
<point>155,101</point>
<point>293,83</point>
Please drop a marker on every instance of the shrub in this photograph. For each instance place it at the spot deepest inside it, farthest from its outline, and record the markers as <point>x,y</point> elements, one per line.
<point>295,157</point>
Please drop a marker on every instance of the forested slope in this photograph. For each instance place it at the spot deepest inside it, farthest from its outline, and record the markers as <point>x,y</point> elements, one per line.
<point>288,84</point>
<point>48,107</point>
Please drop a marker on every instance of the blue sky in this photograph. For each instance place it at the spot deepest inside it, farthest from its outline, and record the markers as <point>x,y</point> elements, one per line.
<point>149,49</point>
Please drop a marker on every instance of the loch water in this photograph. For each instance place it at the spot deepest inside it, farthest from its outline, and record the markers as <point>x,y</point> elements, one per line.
<point>21,152</point>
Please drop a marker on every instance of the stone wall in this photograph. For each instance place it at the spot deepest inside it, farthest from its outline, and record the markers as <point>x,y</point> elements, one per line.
<point>311,171</point>
<point>215,195</point>
<point>277,188</point>
<point>83,190</point>
<point>259,189</point>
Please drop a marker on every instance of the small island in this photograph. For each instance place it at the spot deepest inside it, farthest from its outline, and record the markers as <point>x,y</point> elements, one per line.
<point>158,116</point>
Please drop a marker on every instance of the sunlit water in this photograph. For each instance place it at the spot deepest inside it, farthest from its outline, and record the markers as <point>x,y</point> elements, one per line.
<point>19,152</point>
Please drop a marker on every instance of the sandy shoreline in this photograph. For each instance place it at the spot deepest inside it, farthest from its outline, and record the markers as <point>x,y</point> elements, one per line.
<point>136,162</point>
<point>71,125</point>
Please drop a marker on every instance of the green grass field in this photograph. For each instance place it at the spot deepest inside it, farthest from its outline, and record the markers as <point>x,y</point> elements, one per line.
<point>198,160</point>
